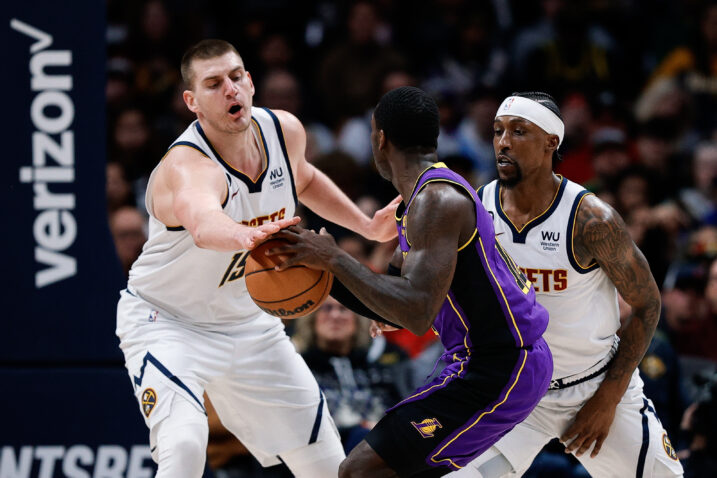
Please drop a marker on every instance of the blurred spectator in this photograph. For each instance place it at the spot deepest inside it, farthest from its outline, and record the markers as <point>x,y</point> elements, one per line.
<point>575,148</point>
<point>610,157</point>
<point>132,143</point>
<point>699,200</point>
<point>281,90</point>
<point>695,66</point>
<point>700,427</point>
<point>171,122</point>
<point>155,43</point>
<point>473,58</point>
<point>360,379</point>
<point>354,135</point>
<point>654,227</point>
<point>129,231</point>
<point>576,55</point>
<point>350,74</point>
<point>119,190</point>
<point>119,88</point>
<point>688,314</point>
<point>656,152</point>
<point>476,135</point>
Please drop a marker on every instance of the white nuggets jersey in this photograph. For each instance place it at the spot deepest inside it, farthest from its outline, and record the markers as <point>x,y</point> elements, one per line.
<point>581,299</point>
<point>207,287</point>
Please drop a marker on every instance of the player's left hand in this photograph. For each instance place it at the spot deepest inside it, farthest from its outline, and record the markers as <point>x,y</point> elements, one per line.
<point>591,425</point>
<point>382,227</point>
<point>305,248</point>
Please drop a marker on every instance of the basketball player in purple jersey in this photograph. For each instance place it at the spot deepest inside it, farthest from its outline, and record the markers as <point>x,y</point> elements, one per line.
<point>450,274</point>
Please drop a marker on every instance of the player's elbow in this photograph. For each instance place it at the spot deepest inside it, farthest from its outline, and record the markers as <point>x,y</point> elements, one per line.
<point>420,322</point>
<point>201,236</point>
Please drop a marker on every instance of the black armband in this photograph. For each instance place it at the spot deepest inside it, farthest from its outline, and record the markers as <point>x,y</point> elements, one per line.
<point>341,293</point>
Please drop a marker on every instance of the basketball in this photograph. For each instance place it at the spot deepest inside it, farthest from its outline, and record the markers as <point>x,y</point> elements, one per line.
<point>288,294</point>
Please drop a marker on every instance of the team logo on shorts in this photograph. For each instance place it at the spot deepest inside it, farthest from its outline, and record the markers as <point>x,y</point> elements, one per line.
<point>668,447</point>
<point>149,400</point>
<point>427,427</point>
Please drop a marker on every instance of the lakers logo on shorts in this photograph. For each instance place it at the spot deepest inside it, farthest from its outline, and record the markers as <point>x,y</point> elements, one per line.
<point>149,400</point>
<point>668,447</point>
<point>427,427</point>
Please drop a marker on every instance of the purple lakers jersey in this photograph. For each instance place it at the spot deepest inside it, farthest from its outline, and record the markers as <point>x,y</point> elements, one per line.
<point>490,304</point>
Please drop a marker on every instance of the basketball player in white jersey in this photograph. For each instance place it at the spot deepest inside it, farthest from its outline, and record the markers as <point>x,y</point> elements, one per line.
<point>576,251</point>
<point>186,322</point>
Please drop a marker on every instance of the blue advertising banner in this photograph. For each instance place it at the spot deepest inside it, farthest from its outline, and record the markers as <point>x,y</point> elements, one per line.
<point>72,422</point>
<point>62,277</point>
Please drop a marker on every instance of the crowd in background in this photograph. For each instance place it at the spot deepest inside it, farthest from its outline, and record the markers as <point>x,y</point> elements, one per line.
<point>636,82</point>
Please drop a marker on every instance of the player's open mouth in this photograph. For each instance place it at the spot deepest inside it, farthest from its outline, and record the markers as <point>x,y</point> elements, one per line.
<point>503,160</point>
<point>234,109</point>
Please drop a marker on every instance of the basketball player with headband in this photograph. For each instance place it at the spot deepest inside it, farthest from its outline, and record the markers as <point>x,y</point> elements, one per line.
<point>578,254</point>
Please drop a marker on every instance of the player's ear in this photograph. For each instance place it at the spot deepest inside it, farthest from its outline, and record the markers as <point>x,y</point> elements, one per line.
<point>251,83</point>
<point>189,100</point>
<point>382,141</point>
<point>552,142</point>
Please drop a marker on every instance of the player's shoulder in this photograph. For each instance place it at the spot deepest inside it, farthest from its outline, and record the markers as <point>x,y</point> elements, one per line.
<point>443,198</point>
<point>289,123</point>
<point>186,160</point>
<point>594,209</point>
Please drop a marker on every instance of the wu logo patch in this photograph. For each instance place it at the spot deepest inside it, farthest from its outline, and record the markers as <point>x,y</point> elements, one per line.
<point>550,236</point>
<point>427,427</point>
<point>276,178</point>
<point>668,447</point>
<point>149,400</point>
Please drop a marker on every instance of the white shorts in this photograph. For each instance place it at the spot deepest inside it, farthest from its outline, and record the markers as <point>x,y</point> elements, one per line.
<point>261,388</point>
<point>635,442</point>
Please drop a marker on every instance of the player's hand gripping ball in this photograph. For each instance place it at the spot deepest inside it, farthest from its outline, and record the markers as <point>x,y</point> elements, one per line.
<point>291,293</point>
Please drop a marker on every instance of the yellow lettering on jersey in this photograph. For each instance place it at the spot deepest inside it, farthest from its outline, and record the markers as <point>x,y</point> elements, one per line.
<point>259,220</point>
<point>547,280</point>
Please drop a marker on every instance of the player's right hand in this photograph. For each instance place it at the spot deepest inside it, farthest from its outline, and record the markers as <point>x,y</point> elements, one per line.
<point>254,236</point>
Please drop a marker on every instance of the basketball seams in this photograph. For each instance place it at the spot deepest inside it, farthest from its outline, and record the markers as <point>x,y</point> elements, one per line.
<point>321,276</point>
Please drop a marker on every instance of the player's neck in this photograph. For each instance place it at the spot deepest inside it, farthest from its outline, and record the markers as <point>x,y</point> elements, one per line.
<point>240,150</point>
<point>407,173</point>
<point>530,197</point>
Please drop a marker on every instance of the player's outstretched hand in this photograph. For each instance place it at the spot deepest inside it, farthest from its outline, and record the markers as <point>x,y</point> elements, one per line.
<point>591,425</point>
<point>254,236</point>
<point>382,227</point>
<point>305,247</point>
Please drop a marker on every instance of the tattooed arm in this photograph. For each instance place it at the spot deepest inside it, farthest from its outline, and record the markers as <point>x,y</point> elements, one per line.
<point>441,217</point>
<point>601,235</point>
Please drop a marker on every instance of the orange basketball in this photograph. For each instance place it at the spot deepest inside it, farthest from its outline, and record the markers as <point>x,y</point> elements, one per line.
<point>288,294</point>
